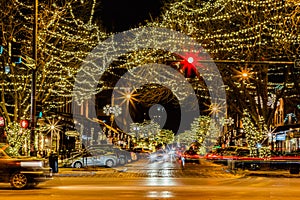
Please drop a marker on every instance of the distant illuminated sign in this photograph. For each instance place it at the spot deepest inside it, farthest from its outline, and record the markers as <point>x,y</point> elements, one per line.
<point>280,137</point>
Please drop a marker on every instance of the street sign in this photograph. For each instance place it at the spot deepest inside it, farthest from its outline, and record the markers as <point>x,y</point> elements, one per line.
<point>297,63</point>
<point>280,137</point>
<point>72,133</point>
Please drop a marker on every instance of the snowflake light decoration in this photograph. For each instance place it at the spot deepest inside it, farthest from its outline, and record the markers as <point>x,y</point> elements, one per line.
<point>115,110</point>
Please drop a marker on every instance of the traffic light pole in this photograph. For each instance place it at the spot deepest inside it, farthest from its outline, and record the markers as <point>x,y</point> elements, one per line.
<point>33,151</point>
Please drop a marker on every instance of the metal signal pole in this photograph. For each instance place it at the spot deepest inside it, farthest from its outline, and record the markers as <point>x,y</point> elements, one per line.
<point>33,151</point>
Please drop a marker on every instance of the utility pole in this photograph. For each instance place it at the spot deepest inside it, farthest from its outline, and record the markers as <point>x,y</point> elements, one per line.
<point>33,151</point>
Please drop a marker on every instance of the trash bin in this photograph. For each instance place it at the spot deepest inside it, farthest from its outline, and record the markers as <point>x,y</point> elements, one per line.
<point>53,162</point>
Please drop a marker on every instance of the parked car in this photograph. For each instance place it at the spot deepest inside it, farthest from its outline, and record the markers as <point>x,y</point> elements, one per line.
<point>284,156</point>
<point>123,155</point>
<point>22,172</point>
<point>92,159</point>
<point>142,152</point>
<point>222,155</point>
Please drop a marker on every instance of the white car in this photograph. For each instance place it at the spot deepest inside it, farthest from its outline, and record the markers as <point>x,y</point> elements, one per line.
<point>88,159</point>
<point>159,155</point>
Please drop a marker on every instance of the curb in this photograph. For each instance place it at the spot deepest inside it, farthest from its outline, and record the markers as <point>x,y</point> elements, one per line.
<point>272,174</point>
<point>71,172</point>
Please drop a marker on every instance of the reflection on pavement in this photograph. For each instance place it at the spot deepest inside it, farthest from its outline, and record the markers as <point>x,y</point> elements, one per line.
<point>161,181</point>
<point>159,194</point>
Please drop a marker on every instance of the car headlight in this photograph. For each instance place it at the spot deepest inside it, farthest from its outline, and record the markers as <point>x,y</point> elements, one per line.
<point>32,164</point>
<point>152,156</point>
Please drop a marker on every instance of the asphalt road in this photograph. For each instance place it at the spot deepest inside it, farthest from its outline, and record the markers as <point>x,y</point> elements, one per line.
<point>160,180</point>
<point>88,188</point>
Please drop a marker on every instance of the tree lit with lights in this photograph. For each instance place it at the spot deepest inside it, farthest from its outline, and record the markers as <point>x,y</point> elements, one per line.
<point>244,31</point>
<point>204,131</point>
<point>63,41</point>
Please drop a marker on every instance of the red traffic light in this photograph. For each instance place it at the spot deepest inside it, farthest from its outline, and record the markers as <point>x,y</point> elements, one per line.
<point>2,122</point>
<point>24,123</point>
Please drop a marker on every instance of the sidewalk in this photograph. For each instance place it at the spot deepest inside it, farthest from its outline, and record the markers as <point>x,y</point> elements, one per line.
<point>273,174</point>
<point>204,169</point>
<point>90,171</point>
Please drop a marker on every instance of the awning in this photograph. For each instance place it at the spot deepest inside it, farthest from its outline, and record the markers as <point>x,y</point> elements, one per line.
<point>286,127</point>
<point>72,133</point>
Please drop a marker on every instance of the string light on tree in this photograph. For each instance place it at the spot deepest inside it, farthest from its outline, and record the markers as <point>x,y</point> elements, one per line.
<point>64,40</point>
<point>203,130</point>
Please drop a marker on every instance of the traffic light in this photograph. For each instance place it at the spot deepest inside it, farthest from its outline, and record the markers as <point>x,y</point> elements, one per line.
<point>16,59</point>
<point>15,52</point>
<point>6,69</point>
<point>24,123</point>
<point>2,122</point>
<point>15,49</point>
<point>1,46</point>
<point>39,111</point>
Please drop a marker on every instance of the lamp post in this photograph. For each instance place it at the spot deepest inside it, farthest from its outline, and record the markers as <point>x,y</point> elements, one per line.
<point>33,83</point>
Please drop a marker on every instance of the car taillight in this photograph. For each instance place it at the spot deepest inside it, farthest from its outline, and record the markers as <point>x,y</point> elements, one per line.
<point>15,164</point>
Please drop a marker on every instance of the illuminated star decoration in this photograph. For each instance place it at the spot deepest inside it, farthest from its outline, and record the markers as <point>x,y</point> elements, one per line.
<point>189,63</point>
<point>128,97</point>
<point>53,127</point>
<point>244,74</point>
<point>214,108</point>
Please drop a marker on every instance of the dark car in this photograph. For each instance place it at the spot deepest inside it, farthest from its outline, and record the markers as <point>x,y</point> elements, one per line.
<point>22,172</point>
<point>191,156</point>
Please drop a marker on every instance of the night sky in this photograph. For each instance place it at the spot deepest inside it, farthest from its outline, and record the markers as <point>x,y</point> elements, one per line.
<point>122,15</point>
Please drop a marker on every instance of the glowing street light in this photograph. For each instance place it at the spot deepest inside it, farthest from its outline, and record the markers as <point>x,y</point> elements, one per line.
<point>245,75</point>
